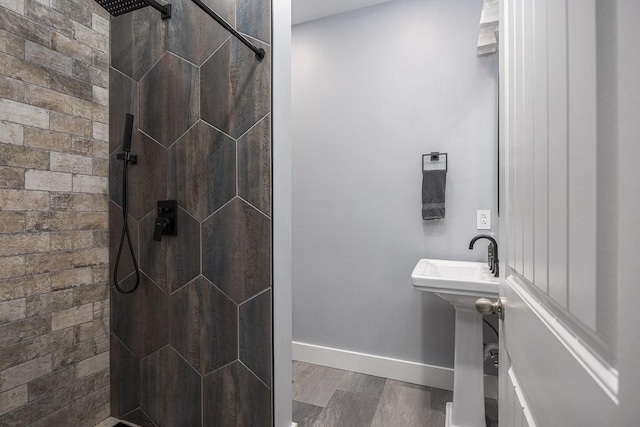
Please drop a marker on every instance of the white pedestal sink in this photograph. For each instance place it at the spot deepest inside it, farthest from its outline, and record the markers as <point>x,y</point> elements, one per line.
<point>462,283</point>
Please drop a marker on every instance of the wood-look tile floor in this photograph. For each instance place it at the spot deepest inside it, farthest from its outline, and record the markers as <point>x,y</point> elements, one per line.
<point>326,397</point>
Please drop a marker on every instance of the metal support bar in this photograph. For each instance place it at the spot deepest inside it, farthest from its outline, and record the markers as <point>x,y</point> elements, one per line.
<point>260,53</point>
<point>164,9</point>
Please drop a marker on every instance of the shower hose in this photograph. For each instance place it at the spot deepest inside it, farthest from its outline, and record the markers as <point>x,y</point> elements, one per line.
<point>125,229</point>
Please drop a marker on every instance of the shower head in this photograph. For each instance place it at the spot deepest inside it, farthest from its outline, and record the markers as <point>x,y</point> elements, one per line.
<point>120,7</point>
<point>128,131</point>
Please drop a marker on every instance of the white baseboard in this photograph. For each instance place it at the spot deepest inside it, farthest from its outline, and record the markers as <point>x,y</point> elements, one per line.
<point>385,367</point>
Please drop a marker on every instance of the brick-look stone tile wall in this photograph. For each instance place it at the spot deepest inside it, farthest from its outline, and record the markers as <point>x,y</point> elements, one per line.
<point>54,295</point>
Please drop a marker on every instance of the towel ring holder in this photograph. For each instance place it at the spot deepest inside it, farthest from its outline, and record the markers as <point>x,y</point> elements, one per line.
<point>434,156</point>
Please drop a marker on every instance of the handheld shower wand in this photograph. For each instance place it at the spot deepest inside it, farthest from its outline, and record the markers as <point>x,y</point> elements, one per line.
<point>127,158</point>
<point>128,133</point>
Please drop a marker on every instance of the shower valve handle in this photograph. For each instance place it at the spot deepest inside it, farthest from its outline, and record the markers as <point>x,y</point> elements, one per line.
<point>166,219</point>
<point>162,224</point>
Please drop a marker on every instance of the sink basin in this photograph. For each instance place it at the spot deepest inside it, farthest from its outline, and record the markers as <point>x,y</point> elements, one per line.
<point>455,278</point>
<point>461,283</point>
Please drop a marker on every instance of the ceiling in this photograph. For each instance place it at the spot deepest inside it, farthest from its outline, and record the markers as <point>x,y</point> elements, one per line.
<point>308,10</point>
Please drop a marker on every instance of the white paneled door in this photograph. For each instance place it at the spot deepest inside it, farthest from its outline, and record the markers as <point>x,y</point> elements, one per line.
<point>570,197</point>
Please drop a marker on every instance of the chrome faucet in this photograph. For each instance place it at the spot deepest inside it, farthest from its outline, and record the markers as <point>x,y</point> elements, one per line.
<point>493,252</point>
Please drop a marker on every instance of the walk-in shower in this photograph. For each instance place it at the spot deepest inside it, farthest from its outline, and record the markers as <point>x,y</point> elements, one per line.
<point>142,144</point>
<point>199,205</point>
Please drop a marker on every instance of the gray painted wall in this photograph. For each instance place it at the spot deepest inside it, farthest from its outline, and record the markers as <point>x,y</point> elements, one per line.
<point>372,91</point>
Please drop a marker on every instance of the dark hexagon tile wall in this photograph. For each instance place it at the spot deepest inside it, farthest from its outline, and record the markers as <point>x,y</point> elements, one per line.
<point>141,320</point>
<point>237,257</point>
<point>235,87</point>
<point>255,336</point>
<point>233,396</point>
<point>254,19</point>
<point>170,391</point>
<point>169,99</point>
<point>204,326</point>
<point>254,166</point>
<point>174,261</point>
<point>125,379</point>
<point>123,99</point>
<point>147,178</point>
<point>224,8</point>
<point>206,35</point>
<point>138,40</point>
<point>203,170</point>
<point>179,325</point>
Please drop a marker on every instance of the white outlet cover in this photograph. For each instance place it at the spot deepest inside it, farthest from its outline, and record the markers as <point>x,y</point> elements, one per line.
<point>484,220</point>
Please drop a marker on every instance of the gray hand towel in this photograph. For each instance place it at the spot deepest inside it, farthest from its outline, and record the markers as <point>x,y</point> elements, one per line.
<point>434,184</point>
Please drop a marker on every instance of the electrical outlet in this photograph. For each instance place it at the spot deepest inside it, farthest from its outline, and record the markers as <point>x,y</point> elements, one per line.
<point>484,220</point>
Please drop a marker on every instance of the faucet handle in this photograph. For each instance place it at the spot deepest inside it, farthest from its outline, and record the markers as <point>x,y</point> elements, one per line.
<point>162,224</point>
<point>166,219</point>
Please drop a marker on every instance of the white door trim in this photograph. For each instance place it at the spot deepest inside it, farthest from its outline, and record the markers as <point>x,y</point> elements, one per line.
<point>282,192</point>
